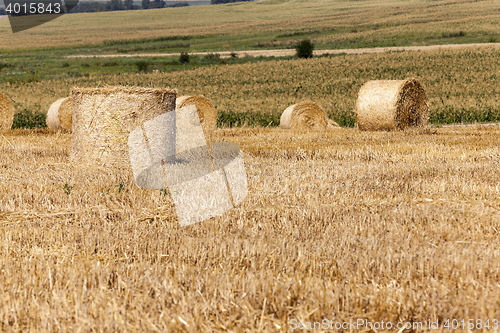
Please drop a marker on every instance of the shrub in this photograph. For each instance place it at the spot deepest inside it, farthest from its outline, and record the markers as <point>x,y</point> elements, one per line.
<point>453,34</point>
<point>305,49</point>
<point>18,79</point>
<point>29,119</point>
<point>142,66</point>
<point>345,119</point>
<point>251,119</point>
<point>184,58</point>
<point>110,64</point>
<point>212,56</point>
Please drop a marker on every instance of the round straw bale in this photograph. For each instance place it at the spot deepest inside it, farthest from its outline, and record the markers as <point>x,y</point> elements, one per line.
<point>59,114</point>
<point>306,115</point>
<point>103,118</point>
<point>53,114</point>
<point>6,113</point>
<point>391,104</point>
<point>206,111</point>
<point>66,114</point>
<point>332,124</point>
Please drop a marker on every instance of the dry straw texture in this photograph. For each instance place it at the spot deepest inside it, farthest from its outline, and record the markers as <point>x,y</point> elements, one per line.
<point>53,114</point>
<point>306,115</point>
<point>206,111</point>
<point>391,104</point>
<point>60,113</point>
<point>386,226</point>
<point>104,117</point>
<point>6,113</point>
<point>66,114</point>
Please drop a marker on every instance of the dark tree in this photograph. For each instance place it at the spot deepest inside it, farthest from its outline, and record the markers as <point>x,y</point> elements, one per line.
<point>129,4</point>
<point>115,5</point>
<point>145,4</point>
<point>305,49</point>
<point>92,6</point>
<point>89,7</point>
<point>179,4</point>
<point>157,4</point>
<point>142,66</point>
<point>184,58</point>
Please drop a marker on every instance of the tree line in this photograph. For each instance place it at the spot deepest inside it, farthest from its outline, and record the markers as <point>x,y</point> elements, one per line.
<point>216,2</point>
<point>113,5</point>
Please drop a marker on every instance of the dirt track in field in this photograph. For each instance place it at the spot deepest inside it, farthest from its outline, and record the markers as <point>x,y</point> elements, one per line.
<point>290,52</point>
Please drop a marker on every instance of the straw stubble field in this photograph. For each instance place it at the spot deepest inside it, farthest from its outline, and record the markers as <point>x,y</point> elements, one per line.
<point>338,224</point>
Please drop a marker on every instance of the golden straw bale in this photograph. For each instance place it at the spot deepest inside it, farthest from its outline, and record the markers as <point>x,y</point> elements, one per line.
<point>6,113</point>
<point>306,115</point>
<point>66,114</point>
<point>332,124</point>
<point>53,114</point>
<point>391,104</point>
<point>206,111</point>
<point>60,113</point>
<point>103,118</point>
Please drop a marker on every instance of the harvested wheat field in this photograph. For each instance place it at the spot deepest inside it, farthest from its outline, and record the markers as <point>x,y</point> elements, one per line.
<point>338,225</point>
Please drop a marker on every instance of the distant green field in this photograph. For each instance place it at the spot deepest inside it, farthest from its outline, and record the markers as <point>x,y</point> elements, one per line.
<point>267,24</point>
